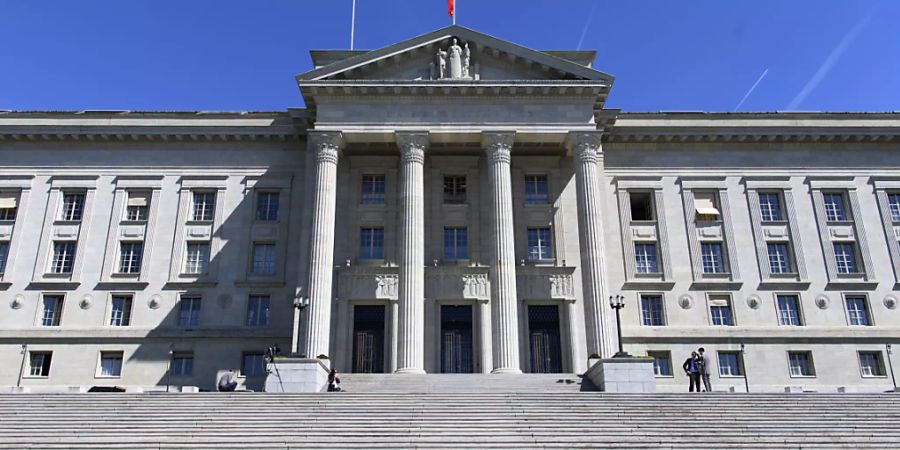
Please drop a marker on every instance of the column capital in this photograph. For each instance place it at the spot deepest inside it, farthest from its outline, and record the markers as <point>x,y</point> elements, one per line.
<point>586,146</point>
<point>412,146</point>
<point>498,145</point>
<point>326,144</point>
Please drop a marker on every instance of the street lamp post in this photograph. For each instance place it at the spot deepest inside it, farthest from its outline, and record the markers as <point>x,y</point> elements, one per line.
<point>301,303</point>
<point>891,366</point>
<point>744,366</point>
<point>617,302</point>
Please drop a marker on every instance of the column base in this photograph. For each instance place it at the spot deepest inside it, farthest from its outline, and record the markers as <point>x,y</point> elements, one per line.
<point>410,370</point>
<point>507,370</point>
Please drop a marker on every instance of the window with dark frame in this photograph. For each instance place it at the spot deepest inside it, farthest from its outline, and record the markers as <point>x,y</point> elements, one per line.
<point>454,190</point>
<point>39,363</point>
<point>372,190</point>
<point>537,191</point>
<point>267,206</point>
<point>641,204</point>
<point>120,313</point>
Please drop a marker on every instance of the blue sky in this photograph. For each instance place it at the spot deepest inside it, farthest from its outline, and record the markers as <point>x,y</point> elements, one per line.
<point>824,55</point>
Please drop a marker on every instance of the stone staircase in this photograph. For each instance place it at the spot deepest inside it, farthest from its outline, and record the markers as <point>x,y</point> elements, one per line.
<point>441,420</point>
<point>464,383</point>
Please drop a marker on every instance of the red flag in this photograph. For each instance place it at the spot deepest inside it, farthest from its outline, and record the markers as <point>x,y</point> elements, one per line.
<point>450,7</point>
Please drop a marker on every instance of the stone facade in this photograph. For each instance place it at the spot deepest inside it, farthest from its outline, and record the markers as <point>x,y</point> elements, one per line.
<point>448,224</point>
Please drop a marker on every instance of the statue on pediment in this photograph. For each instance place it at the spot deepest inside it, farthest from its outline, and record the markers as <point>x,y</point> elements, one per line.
<point>454,63</point>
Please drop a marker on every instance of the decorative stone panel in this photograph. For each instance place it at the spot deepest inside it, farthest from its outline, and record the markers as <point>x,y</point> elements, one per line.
<point>541,283</point>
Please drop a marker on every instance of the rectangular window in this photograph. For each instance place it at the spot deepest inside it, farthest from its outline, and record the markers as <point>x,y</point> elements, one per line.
<point>138,205</point>
<point>189,311</point>
<point>845,257</point>
<point>720,311</point>
<point>858,311</point>
<point>130,255</point>
<point>788,310</point>
<point>267,206</point>
<point>711,257</point>
<point>730,364</point>
<point>371,243</point>
<point>258,311</point>
<point>51,314</point>
<point>253,365</point>
<point>196,258</point>
<point>706,206</point>
<point>204,206</point>
<point>801,364</point>
<point>537,191</point>
<point>539,244</point>
<point>263,259</point>
<point>9,201</point>
<point>871,364</point>
<point>39,364</point>
<point>454,190</point>
<point>652,310</point>
<point>662,363</point>
<point>779,257</point>
<point>63,257</point>
<point>645,258</point>
<point>456,243</point>
<point>770,206</point>
<point>373,190</point>
<point>73,207</point>
<point>894,202</point>
<point>182,364</point>
<point>4,253</point>
<point>120,315</point>
<point>834,206</point>
<point>641,204</point>
<point>110,364</point>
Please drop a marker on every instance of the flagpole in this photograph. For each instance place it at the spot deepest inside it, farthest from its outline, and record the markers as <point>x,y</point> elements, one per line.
<point>454,11</point>
<point>352,24</point>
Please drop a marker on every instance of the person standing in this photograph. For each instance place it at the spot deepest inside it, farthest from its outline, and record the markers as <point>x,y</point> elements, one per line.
<point>705,365</point>
<point>691,368</point>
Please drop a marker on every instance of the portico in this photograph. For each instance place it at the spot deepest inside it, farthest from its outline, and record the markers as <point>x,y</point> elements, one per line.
<point>468,184</point>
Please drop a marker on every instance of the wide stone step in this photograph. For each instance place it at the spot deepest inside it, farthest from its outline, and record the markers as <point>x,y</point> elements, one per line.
<point>446,420</point>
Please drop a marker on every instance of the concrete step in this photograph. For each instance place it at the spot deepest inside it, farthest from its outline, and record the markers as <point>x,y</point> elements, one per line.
<point>489,419</point>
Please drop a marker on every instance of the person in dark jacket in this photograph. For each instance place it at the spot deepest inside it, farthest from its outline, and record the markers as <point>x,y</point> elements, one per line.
<point>334,383</point>
<point>692,368</point>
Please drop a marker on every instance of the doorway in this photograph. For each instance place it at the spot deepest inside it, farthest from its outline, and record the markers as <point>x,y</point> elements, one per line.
<point>368,339</point>
<point>544,339</point>
<point>456,339</point>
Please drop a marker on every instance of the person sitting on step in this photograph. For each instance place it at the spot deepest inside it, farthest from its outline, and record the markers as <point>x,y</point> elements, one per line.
<point>227,383</point>
<point>334,383</point>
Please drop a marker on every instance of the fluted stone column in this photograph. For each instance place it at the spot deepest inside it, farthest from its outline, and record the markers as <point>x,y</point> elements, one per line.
<point>588,155</point>
<point>411,301</point>
<point>317,330</point>
<point>504,304</point>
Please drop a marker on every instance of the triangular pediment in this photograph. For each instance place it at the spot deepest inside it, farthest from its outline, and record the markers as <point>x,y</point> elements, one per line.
<point>452,54</point>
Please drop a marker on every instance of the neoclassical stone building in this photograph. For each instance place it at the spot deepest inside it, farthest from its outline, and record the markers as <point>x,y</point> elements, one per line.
<point>454,203</point>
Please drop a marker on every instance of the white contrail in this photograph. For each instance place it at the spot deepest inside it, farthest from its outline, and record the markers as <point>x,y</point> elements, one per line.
<point>830,61</point>
<point>741,103</point>
<point>588,23</point>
